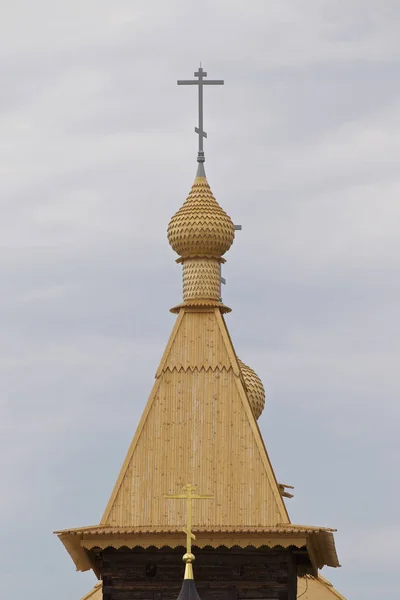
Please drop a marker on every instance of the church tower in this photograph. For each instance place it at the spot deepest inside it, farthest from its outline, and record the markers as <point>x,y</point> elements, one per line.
<point>198,455</point>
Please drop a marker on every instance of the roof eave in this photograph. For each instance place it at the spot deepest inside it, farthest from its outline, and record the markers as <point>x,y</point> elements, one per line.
<point>322,550</point>
<point>77,552</point>
<point>320,543</point>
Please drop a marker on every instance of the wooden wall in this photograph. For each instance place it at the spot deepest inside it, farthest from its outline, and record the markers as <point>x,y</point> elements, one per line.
<point>236,574</point>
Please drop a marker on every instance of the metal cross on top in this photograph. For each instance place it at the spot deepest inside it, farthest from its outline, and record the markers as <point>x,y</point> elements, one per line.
<point>200,81</point>
<point>189,495</point>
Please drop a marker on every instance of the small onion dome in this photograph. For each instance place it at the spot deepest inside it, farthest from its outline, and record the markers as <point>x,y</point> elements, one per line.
<point>254,388</point>
<point>201,227</point>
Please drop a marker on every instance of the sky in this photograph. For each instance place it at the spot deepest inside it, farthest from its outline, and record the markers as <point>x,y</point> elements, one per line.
<point>97,151</point>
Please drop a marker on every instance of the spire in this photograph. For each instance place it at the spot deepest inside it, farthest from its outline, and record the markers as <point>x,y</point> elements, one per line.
<point>201,172</point>
<point>188,589</point>
<point>201,231</point>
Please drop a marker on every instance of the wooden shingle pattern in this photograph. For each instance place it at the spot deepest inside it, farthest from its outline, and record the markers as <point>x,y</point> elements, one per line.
<point>201,227</point>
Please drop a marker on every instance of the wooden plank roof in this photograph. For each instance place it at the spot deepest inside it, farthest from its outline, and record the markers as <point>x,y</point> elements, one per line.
<point>197,427</point>
<point>317,588</point>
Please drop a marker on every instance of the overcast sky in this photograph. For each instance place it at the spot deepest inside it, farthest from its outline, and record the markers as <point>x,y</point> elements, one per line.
<point>97,151</point>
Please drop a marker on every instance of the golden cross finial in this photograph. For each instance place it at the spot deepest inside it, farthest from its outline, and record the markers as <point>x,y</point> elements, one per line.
<point>188,494</point>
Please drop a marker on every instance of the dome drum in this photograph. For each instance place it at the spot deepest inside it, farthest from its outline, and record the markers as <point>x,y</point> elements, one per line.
<point>201,279</point>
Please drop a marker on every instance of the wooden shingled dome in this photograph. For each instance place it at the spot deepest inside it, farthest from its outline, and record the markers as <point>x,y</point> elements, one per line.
<point>254,388</point>
<point>201,227</point>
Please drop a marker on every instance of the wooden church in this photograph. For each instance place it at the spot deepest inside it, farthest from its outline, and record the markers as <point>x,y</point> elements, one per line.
<point>198,452</point>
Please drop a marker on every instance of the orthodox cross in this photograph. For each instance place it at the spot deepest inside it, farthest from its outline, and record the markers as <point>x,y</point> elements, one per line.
<point>200,81</point>
<point>188,494</point>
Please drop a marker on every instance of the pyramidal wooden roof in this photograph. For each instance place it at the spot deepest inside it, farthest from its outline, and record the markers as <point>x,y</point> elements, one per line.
<point>96,593</point>
<point>198,426</point>
<point>185,435</point>
<point>317,588</point>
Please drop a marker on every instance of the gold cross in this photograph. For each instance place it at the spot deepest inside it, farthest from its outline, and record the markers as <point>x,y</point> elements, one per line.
<point>189,495</point>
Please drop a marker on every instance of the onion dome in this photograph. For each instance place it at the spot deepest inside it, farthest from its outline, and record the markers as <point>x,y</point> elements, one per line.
<point>188,589</point>
<point>254,388</point>
<point>201,227</point>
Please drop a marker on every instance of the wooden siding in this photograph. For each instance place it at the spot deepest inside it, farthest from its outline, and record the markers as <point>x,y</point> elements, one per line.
<point>198,344</point>
<point>198,427</point>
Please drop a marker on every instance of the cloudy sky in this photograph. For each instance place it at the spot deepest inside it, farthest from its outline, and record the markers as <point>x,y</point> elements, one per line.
<point>97,151</point>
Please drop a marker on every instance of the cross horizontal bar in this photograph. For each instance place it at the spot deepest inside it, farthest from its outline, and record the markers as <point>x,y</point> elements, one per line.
<point>185,530</point>
<point>203,133</point>
<point>200,82</point>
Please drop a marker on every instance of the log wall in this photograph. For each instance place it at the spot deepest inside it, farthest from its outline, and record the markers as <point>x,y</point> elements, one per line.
<point>236,574</point>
